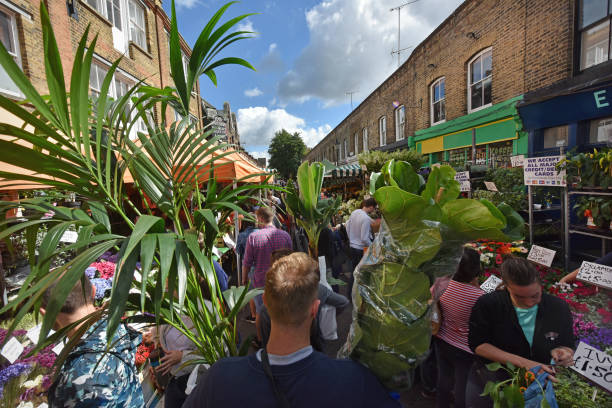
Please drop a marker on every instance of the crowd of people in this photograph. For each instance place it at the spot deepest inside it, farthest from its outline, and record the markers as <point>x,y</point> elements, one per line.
<point>516,323</point>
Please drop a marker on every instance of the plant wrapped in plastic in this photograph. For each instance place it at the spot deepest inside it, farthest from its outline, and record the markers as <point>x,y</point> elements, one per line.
<point>421,238</point>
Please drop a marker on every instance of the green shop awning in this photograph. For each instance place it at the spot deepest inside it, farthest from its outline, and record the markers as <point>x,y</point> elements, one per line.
<point>493,124</point>
<point>347,170</point>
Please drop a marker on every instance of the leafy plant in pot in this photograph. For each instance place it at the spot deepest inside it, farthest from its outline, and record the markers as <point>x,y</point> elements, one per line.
<point>82,145</point>
<point>596,210</point>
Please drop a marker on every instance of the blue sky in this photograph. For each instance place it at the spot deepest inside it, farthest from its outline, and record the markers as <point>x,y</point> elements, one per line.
<point>308,55</point>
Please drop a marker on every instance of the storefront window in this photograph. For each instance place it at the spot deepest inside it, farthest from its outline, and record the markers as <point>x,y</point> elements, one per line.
<point>499,153</point>
<point>601,131</point>
<point>457,156</point>
<point>555,137</point>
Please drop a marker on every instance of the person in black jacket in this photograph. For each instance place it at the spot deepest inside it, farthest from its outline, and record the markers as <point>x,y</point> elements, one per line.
<point>520,325</point>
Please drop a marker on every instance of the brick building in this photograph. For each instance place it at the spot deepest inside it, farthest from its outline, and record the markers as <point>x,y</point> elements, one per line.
<point>464,81</point>
<point>137,30</point>
<point>221,121</point>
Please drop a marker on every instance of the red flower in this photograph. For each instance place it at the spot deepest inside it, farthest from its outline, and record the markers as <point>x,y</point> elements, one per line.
<point>605,314</point>
<point>498,259</point>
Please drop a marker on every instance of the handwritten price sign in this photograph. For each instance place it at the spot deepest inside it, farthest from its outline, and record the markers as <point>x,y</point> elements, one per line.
<point>594,365</point>
<point>595,274</point>
<point>490,186</point>
<point>541,255</point>
<point>491,284</point>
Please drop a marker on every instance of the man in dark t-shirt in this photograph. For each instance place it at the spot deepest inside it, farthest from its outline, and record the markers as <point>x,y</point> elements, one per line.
<point>288,373</point>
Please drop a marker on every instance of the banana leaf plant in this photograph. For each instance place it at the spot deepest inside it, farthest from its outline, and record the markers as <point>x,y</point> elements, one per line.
<point>82,145</point>
<point>305,204</point>
<point>424,228</point>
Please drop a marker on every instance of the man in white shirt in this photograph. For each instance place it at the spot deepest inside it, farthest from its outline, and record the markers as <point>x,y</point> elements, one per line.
<point>359,230</point>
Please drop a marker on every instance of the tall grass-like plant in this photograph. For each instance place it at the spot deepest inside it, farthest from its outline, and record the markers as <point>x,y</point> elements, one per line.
<point>305,204</point>
<point>82,145</point>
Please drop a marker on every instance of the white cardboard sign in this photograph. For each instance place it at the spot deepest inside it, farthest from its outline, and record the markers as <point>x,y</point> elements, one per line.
<point>595,274</point>
<point>541,171</point>
<point>58,348</point>
<point>465,185</point>
<point>69,237</point>
<point>541,255</point>
<point>594,365</point>
<point>12,350</point>
<point>229,241</point>
<point>490,284</point>
<point>490,186</point>
<point>463,177</point>
<point>518,161</point>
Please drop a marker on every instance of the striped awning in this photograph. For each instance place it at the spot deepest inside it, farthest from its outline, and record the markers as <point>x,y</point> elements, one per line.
<point>348,170</point>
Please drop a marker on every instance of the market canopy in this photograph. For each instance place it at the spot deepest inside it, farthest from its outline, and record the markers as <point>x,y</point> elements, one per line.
<point>347,170</point>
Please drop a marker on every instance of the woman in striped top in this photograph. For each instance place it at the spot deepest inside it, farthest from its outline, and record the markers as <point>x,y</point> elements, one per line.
<point>453,354</point>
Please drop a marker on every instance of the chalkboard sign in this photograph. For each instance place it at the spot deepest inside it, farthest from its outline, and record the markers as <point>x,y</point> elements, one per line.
<point>594,365</point>
<point>595,274</point>
<point>491,284</point>
<point>541,255</point>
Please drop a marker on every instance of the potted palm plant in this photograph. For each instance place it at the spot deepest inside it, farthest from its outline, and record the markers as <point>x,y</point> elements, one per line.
<point>82,146</point>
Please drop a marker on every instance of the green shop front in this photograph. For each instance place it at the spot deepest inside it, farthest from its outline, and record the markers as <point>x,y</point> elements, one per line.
<point>496,131</point>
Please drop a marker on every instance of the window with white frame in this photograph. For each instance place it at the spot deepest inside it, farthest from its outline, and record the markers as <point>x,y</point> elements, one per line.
<point>10,40</point>
<point>138,29</point>
<point>110,9</point>
<point>345,148</point>
<point>96,78</point>
<point>438,104</point>
<point>601,130</point>
<point>356,137</point>
<point>594,25</point>
<point>185,64</point>
<point>382,130</point>
<point>400,122</point>
<point>480,69</point>
<point>364,135</point>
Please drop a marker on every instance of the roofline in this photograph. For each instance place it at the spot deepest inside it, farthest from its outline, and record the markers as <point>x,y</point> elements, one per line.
<point>421,45</point>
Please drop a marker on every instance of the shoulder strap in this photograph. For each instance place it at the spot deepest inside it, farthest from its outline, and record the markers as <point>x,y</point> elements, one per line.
<point>280,396</point>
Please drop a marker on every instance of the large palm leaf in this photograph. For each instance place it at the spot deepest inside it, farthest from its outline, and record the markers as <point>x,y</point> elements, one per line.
<point>83,145</point>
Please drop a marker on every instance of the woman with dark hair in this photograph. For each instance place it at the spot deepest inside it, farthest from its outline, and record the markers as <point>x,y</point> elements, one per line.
<point>520,325</point>
<point>453,356</point>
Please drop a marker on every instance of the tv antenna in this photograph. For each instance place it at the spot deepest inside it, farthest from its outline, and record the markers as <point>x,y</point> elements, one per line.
<point>399,48</point>
<point>350,93</point>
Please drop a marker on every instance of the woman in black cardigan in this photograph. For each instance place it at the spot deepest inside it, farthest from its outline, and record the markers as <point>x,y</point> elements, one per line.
<point>520,325</point>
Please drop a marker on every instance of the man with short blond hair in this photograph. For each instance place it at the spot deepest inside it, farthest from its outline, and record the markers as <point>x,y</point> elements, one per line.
<point>288,372</point>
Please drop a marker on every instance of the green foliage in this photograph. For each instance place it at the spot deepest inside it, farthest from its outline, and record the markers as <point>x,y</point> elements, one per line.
<point>421,238</point>
<point>572,391</point>
<point>509,182</point>
<point>83,146</point>
<point>509,393</point>
<point>600,208</point>
<point>374,160</point>
<point>305,204</point>
<point>591,169</point>
<point>517,201</point>
<point>286,153</point>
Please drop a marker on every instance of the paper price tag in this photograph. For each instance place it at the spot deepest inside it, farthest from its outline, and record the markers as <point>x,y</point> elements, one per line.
<point>541,255</point>
<point>517,161</point>
<point>491,284</point>
<point>12,350</point>
<point>490,186</point>
<point>69,237</point>
<point>34,333</point>
<point>595,274</point>
<point>43,405</point>
<point>58,348</point>
<point>465,185</point>
<point>594,365</point>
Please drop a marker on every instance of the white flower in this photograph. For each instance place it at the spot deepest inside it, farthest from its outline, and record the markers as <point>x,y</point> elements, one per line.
<point>33,383</point>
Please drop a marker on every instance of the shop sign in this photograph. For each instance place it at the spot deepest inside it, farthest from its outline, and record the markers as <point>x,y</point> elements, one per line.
<point>541,171</point>
<point>595,274</point>
<point>517,161</point>
<point>594,365</point>
<point>541,255</point>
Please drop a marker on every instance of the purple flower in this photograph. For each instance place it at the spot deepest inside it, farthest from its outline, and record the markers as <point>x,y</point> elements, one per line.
<point>598,338</point>
<point>108,256</point>
<point>90,272</point>
<point>12,371</point>
<point>102,285</point>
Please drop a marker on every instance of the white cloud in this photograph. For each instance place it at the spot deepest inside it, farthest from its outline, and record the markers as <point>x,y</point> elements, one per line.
<point>187,3</point>
<point>272,61</point>
<point>244,25</point>
<point>351,43</point>
<point>260,154</point>
<point>258,124</point>
<point>251,93</point>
